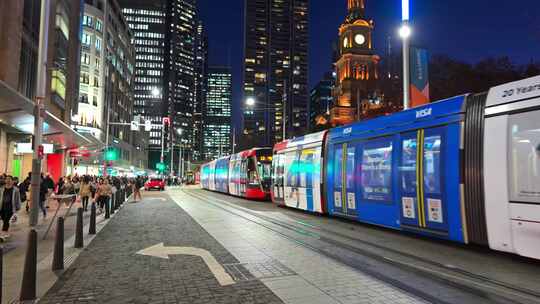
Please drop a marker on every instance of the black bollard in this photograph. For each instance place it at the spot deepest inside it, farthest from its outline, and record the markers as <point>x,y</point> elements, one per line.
<point>79,241</point>
<point>1,271</point>
<point>116,200</point>
<point>28,288</point>
<point>58,257</point>
<point>111,202</point>
<point>92,228</point>
<point>107,209</point>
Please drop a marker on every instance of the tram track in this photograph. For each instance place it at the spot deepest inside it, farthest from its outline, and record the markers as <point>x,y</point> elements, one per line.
<point>375,255</point>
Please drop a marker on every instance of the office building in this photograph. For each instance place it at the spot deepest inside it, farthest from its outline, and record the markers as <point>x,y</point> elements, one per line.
<point>19,47</point>
<point>217,113</point>
<point>164,32</point>
<point>107,60</point>
<point>321,101</point>
<point>201,83</point>
<point>275,71</point>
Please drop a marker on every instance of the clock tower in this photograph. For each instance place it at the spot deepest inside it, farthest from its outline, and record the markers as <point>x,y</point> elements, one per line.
<point>356,67</point>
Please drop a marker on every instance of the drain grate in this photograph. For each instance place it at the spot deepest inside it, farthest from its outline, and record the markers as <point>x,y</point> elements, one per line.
<point>259,270</point>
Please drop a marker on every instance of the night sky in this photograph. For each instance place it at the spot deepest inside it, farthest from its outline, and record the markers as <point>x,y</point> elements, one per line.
<point>467,30</point>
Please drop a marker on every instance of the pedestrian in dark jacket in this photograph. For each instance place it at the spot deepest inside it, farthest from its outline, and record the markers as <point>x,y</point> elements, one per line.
<point>23,190</point>
<point>10,203</point>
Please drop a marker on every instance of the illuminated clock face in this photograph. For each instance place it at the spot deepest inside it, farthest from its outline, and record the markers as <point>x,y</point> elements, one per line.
<point>345,42</point>
<point>359,39</point>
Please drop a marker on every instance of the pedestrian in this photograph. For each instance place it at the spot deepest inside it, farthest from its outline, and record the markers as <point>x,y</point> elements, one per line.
<point>76,184</point>
<point>49,183</point>
<point>69,189</point>
<point>137,185</point>
<point>85,193</point>
<point>103,193</point>
<point>43,196</point>
<point>24,187</point>
<point>10,203</point>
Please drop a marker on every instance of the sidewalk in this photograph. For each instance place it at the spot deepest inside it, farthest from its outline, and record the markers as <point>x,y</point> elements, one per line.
<point>154,252</point>
<point>15,248</point>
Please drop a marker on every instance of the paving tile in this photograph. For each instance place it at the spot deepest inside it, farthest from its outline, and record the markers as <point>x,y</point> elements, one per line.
<point>110,271</point>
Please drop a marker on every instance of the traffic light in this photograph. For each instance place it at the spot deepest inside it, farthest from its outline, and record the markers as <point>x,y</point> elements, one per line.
<point>111,154</point>
<point>160,167</point>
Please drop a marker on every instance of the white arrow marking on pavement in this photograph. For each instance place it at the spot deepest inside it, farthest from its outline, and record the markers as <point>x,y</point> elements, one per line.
<point>160,251</point>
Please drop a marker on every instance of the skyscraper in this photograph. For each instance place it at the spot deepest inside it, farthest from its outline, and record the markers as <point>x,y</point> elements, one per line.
<point>217,113</point>
<point>147,21</point>
<point>275,70</point>
<point>321,101</point>
<point>164,33</point>
<point>106,84</point>
<point>201,83</point>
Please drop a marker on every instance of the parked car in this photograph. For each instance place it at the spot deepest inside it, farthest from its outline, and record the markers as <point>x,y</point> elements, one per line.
<point>155,183</point>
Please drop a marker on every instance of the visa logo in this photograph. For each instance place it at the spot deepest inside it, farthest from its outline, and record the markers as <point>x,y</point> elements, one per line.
<point>424,113</point>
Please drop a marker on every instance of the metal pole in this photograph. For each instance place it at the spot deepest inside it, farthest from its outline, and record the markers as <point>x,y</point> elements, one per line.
<point>171,153</point>
<point>285,109</point>
<point>162,140</point>
<point>406,71</point>
<point>180,161</point>
<point>234,140</point>
<point>39,109</point>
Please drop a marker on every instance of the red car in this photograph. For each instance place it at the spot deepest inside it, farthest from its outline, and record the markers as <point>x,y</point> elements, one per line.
<point>155,183</point>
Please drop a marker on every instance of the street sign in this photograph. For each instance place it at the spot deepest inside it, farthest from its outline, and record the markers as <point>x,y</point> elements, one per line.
<point>135,126</point>
<point>148,125</point>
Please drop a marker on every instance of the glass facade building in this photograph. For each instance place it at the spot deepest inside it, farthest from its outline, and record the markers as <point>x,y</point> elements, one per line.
<point>164,38</point>
<point>275,70</point>
<point>217,113</point>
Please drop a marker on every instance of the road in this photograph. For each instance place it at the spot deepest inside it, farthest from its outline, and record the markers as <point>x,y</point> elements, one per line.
<point>192,246</point>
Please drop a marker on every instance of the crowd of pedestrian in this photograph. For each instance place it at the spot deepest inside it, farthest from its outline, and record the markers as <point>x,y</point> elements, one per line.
<point>68,190</point>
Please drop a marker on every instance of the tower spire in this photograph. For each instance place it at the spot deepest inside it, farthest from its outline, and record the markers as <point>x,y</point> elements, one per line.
<point>356,8</point>
<point>356,4</point>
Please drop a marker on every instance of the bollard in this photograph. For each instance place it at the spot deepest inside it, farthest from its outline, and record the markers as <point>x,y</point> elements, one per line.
<point>116,195</point>
<point>28,288</point>
<point>58,257</point>
<point>107,209</point>
<point>111,203</point>
<point>1,271</point>
<point>92,228</point>
<point>79,241</point>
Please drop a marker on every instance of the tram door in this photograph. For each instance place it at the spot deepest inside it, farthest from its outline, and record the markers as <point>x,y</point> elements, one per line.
<point>344,179</point>
<point>243,177</point>
<point>421,181</point>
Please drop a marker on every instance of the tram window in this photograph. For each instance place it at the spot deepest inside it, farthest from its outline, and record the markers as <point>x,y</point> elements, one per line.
<point>432,165</point>
<point>524,152</point>
<point>377,171</point>
<point>307,166</point>
<point>291,169</point>
<point>408,166</point>
<point>338,167</point>
<point>350,167</point>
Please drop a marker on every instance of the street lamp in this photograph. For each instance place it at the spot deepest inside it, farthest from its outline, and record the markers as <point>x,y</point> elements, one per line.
<point>405,34</point>
<point>250,101</point>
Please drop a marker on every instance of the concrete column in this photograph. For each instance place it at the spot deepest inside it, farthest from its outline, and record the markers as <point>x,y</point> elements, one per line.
<point>3,151</point>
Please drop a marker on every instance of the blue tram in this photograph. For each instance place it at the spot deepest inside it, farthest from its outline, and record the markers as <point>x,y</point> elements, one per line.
<point>400,171</point>
<point>465,169</point>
